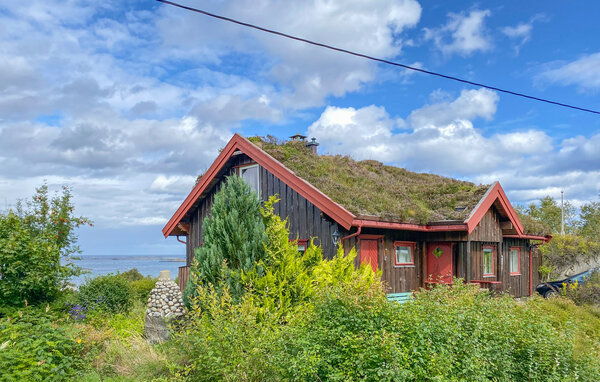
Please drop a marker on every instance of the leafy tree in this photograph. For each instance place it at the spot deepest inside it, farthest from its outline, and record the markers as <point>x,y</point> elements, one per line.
<point>590,220</point>
<point>234,239</point>
<point>33,240</point>
<point>563,253</point>
<point>548,212</point>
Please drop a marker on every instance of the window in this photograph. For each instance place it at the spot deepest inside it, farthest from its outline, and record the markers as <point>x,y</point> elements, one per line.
<point>404,253</point>
<point>251,174</point>
<point>515,260</point>
<point>488,261</point>
<point>302,245</point>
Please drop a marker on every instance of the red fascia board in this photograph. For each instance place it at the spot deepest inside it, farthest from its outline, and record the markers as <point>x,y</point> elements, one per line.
<point>200,187</point>
<point>408,226</point>
<point>530,237</point>
<point>496,193</point>
<point>308,191</point>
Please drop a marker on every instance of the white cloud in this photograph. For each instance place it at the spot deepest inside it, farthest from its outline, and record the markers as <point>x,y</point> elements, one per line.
<point>583,72</point>
<point>442,138</point>
<point>463,34</point>
<point>521,33</point>
<point>469,105</point>
<point>306,74</point>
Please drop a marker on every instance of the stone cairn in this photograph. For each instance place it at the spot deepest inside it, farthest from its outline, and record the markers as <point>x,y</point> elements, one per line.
<point>164,305</point>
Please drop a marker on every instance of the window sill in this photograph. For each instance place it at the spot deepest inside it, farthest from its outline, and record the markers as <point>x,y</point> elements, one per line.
<point>490,275</point>
<point>515,274</point>
<point>404,265</point>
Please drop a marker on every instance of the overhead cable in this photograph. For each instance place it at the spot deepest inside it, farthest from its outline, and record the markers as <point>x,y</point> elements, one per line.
<point>281,34</point>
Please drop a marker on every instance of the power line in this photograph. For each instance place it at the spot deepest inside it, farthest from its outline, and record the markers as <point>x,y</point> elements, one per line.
<point>377,59</point>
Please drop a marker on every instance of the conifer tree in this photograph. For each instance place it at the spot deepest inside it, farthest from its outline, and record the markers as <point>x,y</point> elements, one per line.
<point>234,239</point>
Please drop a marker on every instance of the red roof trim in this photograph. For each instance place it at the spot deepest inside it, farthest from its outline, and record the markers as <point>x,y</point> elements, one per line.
<point>530,237</point>
<point>494,193</point>
<point>237,142</point>
<point>408,226</point>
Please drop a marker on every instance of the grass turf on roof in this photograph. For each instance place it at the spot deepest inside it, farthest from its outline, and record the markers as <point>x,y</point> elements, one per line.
<point>371,188</point>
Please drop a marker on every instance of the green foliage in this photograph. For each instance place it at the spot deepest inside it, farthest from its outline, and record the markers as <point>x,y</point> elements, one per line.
<point>234,239</point>
<point>563,253</point>
<point>33,240</point>
<point>132,275</point>
<point>143,287</point>
<point>36,345</point>
<point>586,293</point>
<point>590,220</point>
<point>109,293</point>
<point>372,188</point>
<point>549,213</point>
<point>226,342</point>
<point>349,332</point>
<point>140,284</point>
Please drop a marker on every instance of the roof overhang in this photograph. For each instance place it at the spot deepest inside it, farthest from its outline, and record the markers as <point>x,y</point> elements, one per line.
<point>494,195</point>
<point>238,143</point>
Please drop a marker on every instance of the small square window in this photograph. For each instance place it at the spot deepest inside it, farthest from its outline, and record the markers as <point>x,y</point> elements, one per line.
<point>404,253</point>
<point>251,175</point>
<point>302,244</point>
<point>488,261</point>
<point>515,260</point>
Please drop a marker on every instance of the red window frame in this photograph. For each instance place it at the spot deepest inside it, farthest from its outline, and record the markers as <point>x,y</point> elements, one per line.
<point>412,246</point>
<point>493,248</point>
<point>300,242</point>
<point>518,249</point>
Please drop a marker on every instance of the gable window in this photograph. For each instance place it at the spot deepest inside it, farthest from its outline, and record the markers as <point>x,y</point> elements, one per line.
<point>404,253</point>
<point>515,260</point>
<point>488,260</point>
<point>251,175</point>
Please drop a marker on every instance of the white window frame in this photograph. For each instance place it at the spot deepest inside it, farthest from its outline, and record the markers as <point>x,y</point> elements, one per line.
<point>510,261</point>
<point>239,171</point>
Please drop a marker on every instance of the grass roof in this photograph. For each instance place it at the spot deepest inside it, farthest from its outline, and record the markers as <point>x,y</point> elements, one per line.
<point>371,188</point>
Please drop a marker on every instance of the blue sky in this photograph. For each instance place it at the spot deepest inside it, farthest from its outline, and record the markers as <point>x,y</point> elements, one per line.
<point>127,101</point>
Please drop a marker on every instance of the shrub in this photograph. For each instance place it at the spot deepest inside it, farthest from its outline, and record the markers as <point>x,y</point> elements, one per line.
<point>234,237</point>
<point>35,345</point>
<point>141,284</point>
<point>563,253</point>
<point>132,275</point>
<point>33,240</point>
<point>109,293</point>
<point>586,293</point>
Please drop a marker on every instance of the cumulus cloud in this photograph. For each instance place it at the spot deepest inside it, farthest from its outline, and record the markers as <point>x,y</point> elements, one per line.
<point>442,137</point>
<point>463,34</point>
<point>306,74</point>
<point>583,72</point>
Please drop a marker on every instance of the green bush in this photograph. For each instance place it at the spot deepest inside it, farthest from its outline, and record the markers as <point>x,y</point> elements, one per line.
<point>587,293</point>
<point>35,345</point>
<point>132,275</point>
<point>143,287</point>
<point>109,293</point>
<point>234,240</point>
<point>33,241</point>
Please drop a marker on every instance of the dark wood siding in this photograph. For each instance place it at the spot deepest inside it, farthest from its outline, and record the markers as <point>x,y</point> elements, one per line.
<point>517,285</point>
<point>305,220</point>
<point>488,228</point>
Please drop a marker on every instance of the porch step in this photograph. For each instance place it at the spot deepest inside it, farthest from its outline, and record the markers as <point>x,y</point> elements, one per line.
<point>400,297</point>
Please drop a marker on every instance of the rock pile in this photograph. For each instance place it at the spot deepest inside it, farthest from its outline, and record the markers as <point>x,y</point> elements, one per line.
<point>165,303</point>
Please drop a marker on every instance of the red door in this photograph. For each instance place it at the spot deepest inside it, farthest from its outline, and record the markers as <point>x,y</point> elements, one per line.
<point>439,262</point>
<point>368,253</point>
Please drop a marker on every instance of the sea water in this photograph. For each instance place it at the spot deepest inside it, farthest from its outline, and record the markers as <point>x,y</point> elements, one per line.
<point>147,265</point>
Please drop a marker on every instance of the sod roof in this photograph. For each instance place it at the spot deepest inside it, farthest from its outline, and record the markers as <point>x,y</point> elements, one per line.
<point>370,188</point>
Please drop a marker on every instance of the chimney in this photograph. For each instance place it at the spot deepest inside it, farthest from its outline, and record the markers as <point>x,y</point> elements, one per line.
<point>313,145</point>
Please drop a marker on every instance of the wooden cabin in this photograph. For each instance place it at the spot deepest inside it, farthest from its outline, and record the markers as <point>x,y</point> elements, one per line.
<point>417,228</point>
